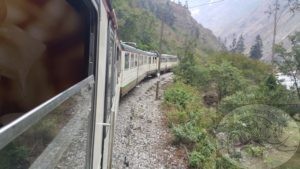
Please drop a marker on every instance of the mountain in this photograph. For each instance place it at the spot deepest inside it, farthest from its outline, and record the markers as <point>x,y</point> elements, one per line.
<point>140,21</point>
<point>235,17</point>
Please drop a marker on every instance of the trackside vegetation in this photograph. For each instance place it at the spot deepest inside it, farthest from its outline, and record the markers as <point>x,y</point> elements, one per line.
<point>206,89</point>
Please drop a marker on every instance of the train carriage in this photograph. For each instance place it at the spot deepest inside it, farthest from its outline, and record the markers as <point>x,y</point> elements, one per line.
<point>136,65</point>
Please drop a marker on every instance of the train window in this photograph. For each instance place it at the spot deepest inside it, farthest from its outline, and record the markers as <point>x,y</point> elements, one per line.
<point>132,60</point>
<point>136,60</point>
<point>48,43</point>
<point>126,60</point>
<point>140,60</point>
<point>149,60</point>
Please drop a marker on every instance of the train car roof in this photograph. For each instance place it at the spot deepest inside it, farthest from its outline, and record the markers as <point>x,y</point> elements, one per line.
<point>168,56</point>
<point>133,49</point>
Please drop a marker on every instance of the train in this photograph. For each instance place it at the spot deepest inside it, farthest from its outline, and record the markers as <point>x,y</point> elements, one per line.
<point>49,51</point>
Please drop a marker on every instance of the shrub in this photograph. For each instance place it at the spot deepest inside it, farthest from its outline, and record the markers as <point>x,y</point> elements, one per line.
<point>253,70</point>
<point>204,154</point>
<point>225,163</point>
<point>187,133</point>
<point>255,151</point>
<point>13,156</point>
<point>182,96</point>
<point>227,79</point>
<point>196,160</point>
<point>177,117</point>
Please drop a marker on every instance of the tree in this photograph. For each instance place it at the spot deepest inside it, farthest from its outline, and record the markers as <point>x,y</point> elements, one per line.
<point>256,49</point>
<point>275,10</point>
<point>232,47</point>
<point>290,60</point>
<point>226,78</point>
<point>186,4</point>
<point>240,46</point>
<point>165,13</point>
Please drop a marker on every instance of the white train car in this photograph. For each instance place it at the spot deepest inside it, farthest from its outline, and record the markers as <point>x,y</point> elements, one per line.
<point>136,65</point>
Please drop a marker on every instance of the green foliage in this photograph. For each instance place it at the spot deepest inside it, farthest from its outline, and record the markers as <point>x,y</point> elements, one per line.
<point>256,50</point>
<point>240,46</point>
<point>13,156</point>
<point>226,78</point>
<point>259,124</point>
<point>289,61</point>
<point>177,117</point>
<point>255,151</point>
<point>177,96</point>
<point>140,21</point>
<point>237,46</point>
<point>225,163</point>
<point>129,19</point>
<point>252,70</point>
<point>204,154</point>
<point>196,159</point>
<point>269,92</point>
<point>187,133</point>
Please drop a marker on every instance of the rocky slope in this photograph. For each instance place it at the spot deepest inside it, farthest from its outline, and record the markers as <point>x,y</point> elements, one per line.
<point>250,19</point>
<point>140,20</point>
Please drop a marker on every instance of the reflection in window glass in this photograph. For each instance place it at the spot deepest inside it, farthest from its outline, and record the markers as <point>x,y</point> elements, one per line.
<point>45,41</point>
<point>50,142</point>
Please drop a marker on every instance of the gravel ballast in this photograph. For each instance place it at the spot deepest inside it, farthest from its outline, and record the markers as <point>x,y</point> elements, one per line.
<point>142,138</point>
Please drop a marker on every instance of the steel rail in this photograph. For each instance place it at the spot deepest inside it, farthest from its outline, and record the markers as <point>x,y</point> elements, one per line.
<point>11,131</point>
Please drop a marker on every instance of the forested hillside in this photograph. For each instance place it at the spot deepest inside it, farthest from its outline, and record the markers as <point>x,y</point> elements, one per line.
<point>140,21</point>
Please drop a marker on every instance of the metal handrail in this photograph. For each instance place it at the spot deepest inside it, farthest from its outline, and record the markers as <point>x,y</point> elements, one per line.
<point>11,131</point>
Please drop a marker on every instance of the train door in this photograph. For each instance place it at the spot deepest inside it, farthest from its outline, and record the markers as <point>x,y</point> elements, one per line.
<point>110,86</point>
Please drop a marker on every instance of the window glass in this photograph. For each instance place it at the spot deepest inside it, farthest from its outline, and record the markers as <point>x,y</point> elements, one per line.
<point>140,60</point>
<point>132,60</point>
<point>135,60</point>
<point>145,60</point>
<point>126,60</point>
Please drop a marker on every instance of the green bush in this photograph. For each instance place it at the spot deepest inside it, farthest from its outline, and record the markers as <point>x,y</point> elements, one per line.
<point>196,160</point>
<point>225,163</point>
<point>177,97</point>
<point>253,70</point>
<point>227,79</point>
<point>255,151</point>
<point>187,133</point>
<point>203,154</point>
<point>13,156</point>
<point>177,117</point>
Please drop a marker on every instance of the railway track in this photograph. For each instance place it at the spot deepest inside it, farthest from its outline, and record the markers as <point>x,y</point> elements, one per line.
<point>142,139</point>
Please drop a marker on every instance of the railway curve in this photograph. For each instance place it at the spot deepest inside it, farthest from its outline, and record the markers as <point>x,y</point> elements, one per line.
<point>142,138</point>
